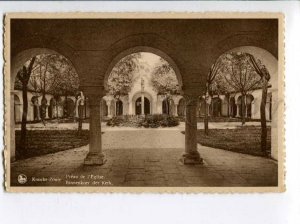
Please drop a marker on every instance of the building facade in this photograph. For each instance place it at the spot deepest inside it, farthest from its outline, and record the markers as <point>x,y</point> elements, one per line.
<point>141,101</point>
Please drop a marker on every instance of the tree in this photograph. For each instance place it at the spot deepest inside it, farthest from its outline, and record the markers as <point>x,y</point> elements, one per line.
<point>42,78</point>
<point>23,76</point>
<point>262,71</point>
<point>55,75</point>
<point>164,80</point>
<point>46,73</point>
<point>237,75</point>
<point>120,80</point>
<point>211,87</point>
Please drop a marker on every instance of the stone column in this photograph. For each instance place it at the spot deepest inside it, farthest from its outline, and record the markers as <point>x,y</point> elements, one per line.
<point>95,155</point>
<point>253,109</point>
<point>237,110</point>
<point>176,109</point>
<point>143,104</point>
<point>191,155</point>
<point>47,110</point>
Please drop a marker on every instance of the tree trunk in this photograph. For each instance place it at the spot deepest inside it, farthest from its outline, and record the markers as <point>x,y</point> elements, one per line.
<point>22,151</point>
<point>66,107</point>
<point>205,118</point>
<point>264,130</point>
<point>80,107</point>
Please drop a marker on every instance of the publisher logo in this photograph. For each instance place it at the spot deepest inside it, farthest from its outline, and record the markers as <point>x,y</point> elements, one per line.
<point>22,178</point>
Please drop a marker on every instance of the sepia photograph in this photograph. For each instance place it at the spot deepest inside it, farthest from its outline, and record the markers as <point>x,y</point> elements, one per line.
<point>144,102</point>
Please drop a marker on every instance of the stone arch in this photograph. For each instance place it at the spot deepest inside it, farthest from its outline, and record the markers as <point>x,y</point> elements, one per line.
<point>139,94</point>
<point>19,59</point>
<point>268,55</point>
<point>246,39</point>
<point>137,105</point>
<point>121,54</point>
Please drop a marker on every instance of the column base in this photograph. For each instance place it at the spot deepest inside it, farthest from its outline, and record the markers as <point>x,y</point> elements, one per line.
<point>191,158</point>
<point>94,159</point>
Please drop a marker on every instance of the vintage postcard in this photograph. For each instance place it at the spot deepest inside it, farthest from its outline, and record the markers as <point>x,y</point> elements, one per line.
<point>144,102</point>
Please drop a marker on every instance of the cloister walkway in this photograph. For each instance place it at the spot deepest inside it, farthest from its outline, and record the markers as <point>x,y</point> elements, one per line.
<point>148,157</point>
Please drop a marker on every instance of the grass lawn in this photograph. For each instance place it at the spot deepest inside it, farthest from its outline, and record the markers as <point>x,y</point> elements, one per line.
<point>243,140</point>
<point>41,142</point>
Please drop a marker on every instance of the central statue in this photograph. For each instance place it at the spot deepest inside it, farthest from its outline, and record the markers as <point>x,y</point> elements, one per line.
<point>142,84</point>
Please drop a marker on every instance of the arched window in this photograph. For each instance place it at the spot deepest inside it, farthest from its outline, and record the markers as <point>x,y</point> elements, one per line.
<point>249,100</point>
<point>119,107</point>
<point>181,108</point>
<point>232,108</point>
<point>138,106</point>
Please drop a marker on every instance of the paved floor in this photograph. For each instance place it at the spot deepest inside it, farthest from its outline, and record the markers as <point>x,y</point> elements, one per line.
<point>146,158</point>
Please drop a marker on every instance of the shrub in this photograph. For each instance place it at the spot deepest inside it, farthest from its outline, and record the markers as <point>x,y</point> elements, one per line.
<point>148,121</point>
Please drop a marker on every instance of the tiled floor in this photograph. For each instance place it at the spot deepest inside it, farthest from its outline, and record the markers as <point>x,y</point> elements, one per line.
<point>146,158</point>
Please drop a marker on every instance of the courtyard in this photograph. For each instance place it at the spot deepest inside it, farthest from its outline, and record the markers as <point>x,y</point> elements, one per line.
<point>132,109</point>
<point>151,159</point>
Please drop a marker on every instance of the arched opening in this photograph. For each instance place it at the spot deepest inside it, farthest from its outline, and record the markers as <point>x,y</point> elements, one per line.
<point>17,108</point>
<point>43,108</point>
<point>201,110</point>
<point>167,106</point>
<point>233,107</point>
<point>225,106</point>
<point>138,106</point>
<point>181,108</point>
<point>263,58</point>
<point>241,109</point>
<point>104,108</point>
<point>215,107</point>
<point>69,108</point>
<point>52,111</point>
<point>113,107</point>
<point>119,107</point>
<point>36,108</point>
<point>144,50</point>
<point>146,74</point>
<point>249,101</point>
